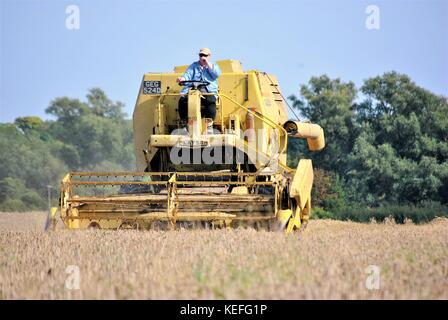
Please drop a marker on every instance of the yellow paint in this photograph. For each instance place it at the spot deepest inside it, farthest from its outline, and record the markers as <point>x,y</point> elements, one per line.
<point>313,133</point>
<point>302,182</point>
<point>284,215</point>
<point>53,211</point>
<point>240,190</point>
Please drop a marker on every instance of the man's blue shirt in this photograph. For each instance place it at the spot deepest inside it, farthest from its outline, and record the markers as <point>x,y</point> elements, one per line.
<point>196,73</point>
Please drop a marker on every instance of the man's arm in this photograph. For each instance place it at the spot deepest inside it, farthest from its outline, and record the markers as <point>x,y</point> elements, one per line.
<point>214,70</point>
<point>188,74</point>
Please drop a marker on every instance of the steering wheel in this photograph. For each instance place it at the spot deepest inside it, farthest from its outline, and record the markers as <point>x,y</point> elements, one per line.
<point>194,83</point>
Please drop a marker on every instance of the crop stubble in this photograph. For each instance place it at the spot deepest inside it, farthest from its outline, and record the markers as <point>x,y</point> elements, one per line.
<point>326,261</point>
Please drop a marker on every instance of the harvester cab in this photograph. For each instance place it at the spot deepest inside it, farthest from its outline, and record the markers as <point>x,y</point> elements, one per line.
<point>239,175</point>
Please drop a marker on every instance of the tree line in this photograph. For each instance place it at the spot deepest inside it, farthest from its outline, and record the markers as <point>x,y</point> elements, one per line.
<point>91,135</point>
<point>387,145</point>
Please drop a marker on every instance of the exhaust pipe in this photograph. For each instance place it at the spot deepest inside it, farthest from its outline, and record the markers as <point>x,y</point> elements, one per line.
<point>313,133</point>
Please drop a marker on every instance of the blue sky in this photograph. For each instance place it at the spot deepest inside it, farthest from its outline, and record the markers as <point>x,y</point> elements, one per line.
<point>120,40</point>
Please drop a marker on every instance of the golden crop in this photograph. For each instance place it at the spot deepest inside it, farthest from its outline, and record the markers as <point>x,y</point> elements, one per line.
<point>329,260</point>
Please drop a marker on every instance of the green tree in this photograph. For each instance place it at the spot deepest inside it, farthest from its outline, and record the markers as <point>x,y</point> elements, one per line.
<point>29,124</point>
<point>15,196</point>
<point>405,156</point>
<point>390,147</point>
<point>102,106</point>
<point>330,103</point>
<point>91,135</point>
<point>66,109</point>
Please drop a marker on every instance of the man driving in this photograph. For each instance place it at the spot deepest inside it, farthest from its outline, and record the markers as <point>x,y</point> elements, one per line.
<point>201,70</point>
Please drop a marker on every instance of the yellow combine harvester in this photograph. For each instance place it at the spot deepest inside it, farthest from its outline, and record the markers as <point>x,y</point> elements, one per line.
<point>187,177</point>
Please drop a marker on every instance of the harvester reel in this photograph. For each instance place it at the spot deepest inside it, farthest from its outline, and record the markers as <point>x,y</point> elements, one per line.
<point>129,225</point>
<point>94,226</point>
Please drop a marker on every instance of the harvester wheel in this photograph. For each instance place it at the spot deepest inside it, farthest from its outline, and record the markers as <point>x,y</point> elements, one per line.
<point>185,225</point>
<point>159,225</point>
<point>94,225</point>
<point>277,226</point>
<point>303,226</point>
<point>207,225</point>
<point>127,225</point>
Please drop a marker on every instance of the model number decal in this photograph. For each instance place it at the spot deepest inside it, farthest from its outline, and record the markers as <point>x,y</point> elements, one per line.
<point>152,87</point>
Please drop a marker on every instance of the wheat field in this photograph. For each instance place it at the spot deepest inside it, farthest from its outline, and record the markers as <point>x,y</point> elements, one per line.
<point>329,260</point>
